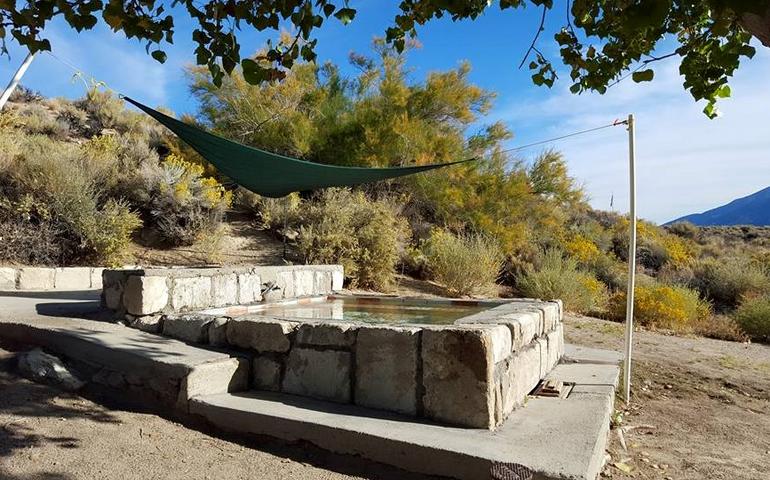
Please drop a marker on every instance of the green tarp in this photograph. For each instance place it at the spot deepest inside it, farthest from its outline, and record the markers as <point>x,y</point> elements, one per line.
<point>270,174</point>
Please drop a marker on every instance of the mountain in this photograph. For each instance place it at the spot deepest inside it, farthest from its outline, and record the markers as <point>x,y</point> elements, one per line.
<point>753,209</point>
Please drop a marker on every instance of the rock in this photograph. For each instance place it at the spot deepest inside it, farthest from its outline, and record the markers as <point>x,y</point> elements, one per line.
<point>147,323</point>
<point>262,335</point>
<point>530,326</point>
<point>145,295</point>
<point>191,292</point>
<point>96,278</point>
<point>323,282</point>
<point>218,332</point>
<point>555,340</point>
<point>266,374</point>
<point>304,281</point>
<point>337,335</point>
<point>224,290</point>
<point>42,367</point>
<point>7,279</point>
<point>249,288</point>
<point>188,328</point>
<point>458,376</point>
<point>36,279</point>
<point>318,374</point>
<point>386,368</point>
<point>110,378</point>
<point>519,376</point>
<point>72,278</point>
<point>338,277</point>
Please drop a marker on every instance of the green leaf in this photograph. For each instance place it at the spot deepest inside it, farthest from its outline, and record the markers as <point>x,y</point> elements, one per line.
<point>345,15</point>
<point>253,72</point>
<point>159,55</point>
<point>643,75</point>
<point>723,91</point>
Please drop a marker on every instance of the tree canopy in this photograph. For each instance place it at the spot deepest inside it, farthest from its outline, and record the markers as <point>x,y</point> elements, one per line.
<point>601,41</point>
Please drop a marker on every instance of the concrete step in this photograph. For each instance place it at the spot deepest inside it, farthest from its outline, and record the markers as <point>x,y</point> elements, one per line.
<point>556,438</point>
<point>165,370</point>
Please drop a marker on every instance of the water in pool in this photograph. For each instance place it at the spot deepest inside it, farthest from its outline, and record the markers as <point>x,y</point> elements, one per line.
<point>355,310</point>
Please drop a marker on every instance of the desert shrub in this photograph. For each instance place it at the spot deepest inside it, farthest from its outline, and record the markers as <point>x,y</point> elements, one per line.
<point>22,94</point>
<point>582,249</point>
<point>725,281</point>
<point>720,327</point>
<point>181,203</point>
<point>657,305</point>
<point>753,316</point>
<point>47,182</point>
<point>466,264</point>
<point>37,119</point>
<point>365,236</point>
<point>556,277</point>
<point>684,229</point>
<point>271,212</point>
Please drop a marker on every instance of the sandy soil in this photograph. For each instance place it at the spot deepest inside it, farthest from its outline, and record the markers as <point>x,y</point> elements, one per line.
<point>701,410</point>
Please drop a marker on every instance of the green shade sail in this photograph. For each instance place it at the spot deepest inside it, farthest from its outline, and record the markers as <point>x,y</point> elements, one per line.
<point>271,174</point>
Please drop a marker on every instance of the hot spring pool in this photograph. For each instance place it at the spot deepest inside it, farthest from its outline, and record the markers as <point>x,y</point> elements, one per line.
<point>373,310</point>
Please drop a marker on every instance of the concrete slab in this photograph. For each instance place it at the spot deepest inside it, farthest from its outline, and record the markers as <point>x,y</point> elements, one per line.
<point>556,438</point>
<point>578,354</point>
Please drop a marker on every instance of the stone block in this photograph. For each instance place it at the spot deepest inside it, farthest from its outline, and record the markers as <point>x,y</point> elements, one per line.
<point>262,335</point>
<point>338,279</point>
<point>458,376</point>
<point>224,290</point>
<point>386,368</point>
<point>323,282</point>
<point>188,328</point>
<point>145,295</point>
<point>147,323</point>
<point>72,278</point>
<point>7,279</point>
<point>304,281</point>
<point>191,292</point>
<point>218,332</point>
<point>231,375</point>
<point>319,374</point>
<point>285,281</point>
<point>530,326</point>
<point>335,335</point>
<point>555,347</point>
<point>519,376</point>
<point>31,278</point>
<point>96,278</point>
<point>542,345</point>
<point>249,288</point>
<point>266,374</point>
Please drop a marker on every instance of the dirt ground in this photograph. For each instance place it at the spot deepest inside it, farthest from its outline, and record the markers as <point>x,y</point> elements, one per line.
<point>701,410</point>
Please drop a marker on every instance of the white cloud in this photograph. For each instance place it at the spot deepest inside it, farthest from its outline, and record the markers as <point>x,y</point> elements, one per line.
<point>686,163</point>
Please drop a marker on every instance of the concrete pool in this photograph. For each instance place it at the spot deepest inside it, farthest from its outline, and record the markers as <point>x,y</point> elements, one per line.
<point>460,362</point>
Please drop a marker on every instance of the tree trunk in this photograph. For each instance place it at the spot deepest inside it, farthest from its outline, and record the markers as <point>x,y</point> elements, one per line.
<point>758,25</point>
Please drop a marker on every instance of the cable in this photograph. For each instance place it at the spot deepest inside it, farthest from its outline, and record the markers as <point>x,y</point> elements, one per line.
<point>541,142</point>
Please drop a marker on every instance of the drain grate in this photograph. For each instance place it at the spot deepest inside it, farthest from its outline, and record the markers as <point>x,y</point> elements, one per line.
<point>510,471</point>
<point>553,388</point>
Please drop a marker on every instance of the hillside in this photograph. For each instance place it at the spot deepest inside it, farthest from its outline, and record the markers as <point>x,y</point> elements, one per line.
<point>752,209</point>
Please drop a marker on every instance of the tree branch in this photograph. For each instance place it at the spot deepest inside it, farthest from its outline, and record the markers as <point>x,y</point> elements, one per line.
<point>537,35</point>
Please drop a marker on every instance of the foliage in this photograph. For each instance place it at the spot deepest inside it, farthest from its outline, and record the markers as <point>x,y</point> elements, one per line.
<point>183,205</point>
<point>720,327</point>
<point>684,229</point>
<point>466,264</point>
<point>663,306</point>
<point>557,277</point>
<point>753,315</point>
<point>599,41</point>
<point>345,227</point>
<point>726,281</point>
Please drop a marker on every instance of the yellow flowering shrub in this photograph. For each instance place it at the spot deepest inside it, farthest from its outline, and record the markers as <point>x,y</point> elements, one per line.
<point>582,249</point>
<point>662,306</point>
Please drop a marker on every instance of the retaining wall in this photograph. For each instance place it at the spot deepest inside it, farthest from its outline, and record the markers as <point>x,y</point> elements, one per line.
<point>44,278</point>
<point>144,294</point>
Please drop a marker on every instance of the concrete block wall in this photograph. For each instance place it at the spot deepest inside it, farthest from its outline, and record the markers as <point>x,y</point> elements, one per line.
<point>143,294</point>
<point>46,278</point>
<point>471,374</point>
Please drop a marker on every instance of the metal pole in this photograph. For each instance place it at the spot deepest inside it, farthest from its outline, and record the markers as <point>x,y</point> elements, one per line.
<point>16,79</point>
<point>631,259</point>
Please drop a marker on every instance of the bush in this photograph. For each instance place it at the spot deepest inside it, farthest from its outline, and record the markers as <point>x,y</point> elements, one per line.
<point>753,316</point>
<point>365,236</point>
<point>182,204</point>
<point>727,280</point>
<point>556,277</point>
<point>720,327</point>
<point>684,229</point>
<point>465,264</point>
<point>662,306</point>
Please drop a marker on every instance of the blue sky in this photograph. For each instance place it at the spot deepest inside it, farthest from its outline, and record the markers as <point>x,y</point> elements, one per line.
<point>686,163</point>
